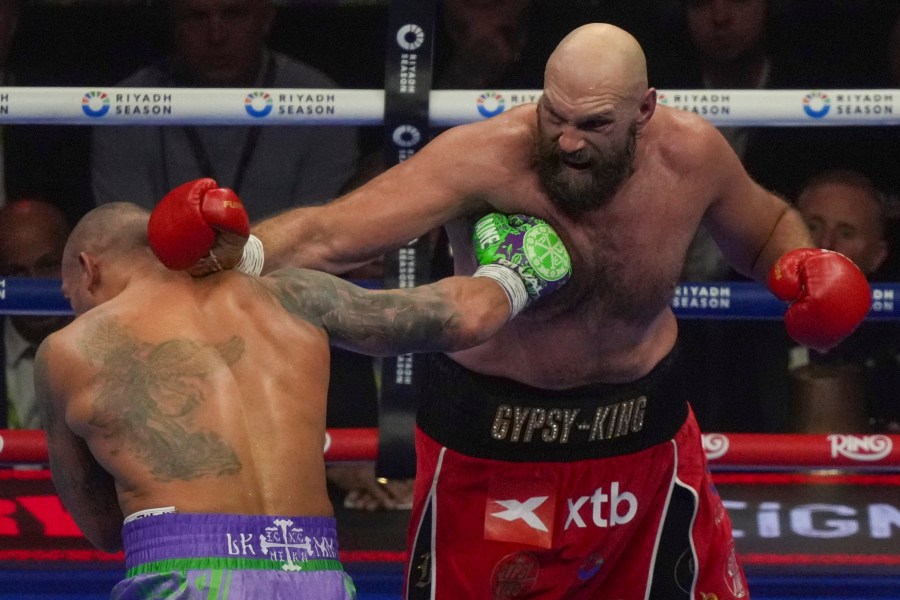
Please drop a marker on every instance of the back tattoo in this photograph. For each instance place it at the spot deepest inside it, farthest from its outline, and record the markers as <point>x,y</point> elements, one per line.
<point>148,396</point>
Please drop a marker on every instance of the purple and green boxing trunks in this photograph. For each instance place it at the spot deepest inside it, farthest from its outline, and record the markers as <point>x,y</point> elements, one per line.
<point>219,557</point>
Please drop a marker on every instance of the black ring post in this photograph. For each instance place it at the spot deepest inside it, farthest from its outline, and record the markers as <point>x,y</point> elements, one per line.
<point>408,73</point>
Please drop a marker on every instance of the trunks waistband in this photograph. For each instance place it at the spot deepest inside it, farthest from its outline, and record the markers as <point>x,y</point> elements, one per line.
<point>179,541</point>
<point>497,418</point>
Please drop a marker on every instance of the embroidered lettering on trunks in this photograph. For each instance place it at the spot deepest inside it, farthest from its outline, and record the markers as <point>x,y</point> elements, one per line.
<point>536,424</point>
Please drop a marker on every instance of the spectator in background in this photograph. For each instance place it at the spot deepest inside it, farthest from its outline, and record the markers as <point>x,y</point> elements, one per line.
<point>222,43</point>
<point>853,388</point>
<point>844,212</point>
<point>37,160</point>
<point>482,46</point>
<point>33,234</point>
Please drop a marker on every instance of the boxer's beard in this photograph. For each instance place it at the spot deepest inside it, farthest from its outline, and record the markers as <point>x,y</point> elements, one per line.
<point>580,192</point>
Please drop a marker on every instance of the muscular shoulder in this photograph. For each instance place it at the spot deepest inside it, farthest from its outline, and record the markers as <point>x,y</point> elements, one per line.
<point>59,359</point>
<point>484,157</point>
<point>689,143</point>
<point>510,130</point>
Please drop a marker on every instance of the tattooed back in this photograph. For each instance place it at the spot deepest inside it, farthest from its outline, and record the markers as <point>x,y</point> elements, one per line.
<point>206,395</point>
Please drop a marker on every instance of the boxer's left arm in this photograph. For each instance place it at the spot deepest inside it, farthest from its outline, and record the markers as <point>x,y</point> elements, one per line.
<point>85,488</point>
<point>522,261</point>
<point>452,314</point>
<point>752,226</point>
<point>766,238</point>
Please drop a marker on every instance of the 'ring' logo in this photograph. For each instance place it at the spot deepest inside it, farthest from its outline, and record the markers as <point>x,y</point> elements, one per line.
<point>816,104</point>
<point>490,104</point>
<point>715,445</point>
<point>865,448</point>
<point>406,136</point>
<point>258,104</point>
<point>410,37</point>
<point>95,104</point>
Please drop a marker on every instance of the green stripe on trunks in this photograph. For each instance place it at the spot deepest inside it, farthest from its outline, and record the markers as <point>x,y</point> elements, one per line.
<point>233,564</point>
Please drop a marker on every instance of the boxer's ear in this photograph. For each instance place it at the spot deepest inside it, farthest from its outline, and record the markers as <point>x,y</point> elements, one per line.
<point>90,272</point>
<point>647,107</point>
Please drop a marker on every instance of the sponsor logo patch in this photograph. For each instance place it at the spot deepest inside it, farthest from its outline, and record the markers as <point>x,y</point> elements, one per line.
<point>514,576</point>
<point>520,512</point>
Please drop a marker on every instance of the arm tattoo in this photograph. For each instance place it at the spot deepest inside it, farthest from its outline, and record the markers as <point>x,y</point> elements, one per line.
<point>148,396</point>
<point>374,322</point>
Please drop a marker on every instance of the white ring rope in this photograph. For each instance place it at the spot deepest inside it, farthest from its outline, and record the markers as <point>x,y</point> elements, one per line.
<point>287,106</point>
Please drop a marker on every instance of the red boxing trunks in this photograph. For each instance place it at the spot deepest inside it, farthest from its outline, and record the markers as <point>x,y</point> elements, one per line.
<point>596,493</point>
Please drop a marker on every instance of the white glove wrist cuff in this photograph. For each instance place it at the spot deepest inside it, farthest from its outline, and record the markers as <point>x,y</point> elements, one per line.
<point>253,257</point>
<point>511,283</point>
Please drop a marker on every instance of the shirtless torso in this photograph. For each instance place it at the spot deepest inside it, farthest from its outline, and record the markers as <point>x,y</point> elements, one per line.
<point>218,406</point>
<point>612,323</point>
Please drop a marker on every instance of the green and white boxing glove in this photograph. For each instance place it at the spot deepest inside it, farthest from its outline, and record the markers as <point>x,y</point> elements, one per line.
<point>523,254</point>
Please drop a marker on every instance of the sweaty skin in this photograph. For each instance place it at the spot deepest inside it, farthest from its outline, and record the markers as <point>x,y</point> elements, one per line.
<point>209,394</point>
<point>612,322</point>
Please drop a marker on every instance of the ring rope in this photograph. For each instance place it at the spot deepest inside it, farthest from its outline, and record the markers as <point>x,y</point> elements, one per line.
<point>706,300</point>
<point>731,451</point>
<point>316,106</point>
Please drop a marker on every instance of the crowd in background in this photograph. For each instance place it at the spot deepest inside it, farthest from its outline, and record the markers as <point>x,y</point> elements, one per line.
<point>747,375</point>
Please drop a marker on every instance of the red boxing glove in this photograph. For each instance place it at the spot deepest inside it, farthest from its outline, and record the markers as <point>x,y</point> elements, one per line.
<point>829,296</point>
<point>185,224</point>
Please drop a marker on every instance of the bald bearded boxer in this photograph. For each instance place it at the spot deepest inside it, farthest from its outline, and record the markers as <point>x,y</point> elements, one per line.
<point>196,407</point>
<point>558,459</point>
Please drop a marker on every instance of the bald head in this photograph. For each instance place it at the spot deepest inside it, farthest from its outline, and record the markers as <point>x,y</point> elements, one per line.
<point>106,249</point>
<point>594,108</point>
<point>115,228</point>
<point>598,58</point>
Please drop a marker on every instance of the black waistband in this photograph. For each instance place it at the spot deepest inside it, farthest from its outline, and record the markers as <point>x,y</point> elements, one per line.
<point>494,417</point>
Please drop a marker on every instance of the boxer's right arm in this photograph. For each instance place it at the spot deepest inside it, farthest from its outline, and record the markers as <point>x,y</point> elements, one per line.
<point>85,488</point>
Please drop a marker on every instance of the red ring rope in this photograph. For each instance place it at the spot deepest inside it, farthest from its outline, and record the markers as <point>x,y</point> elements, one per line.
<point>734,450</point>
